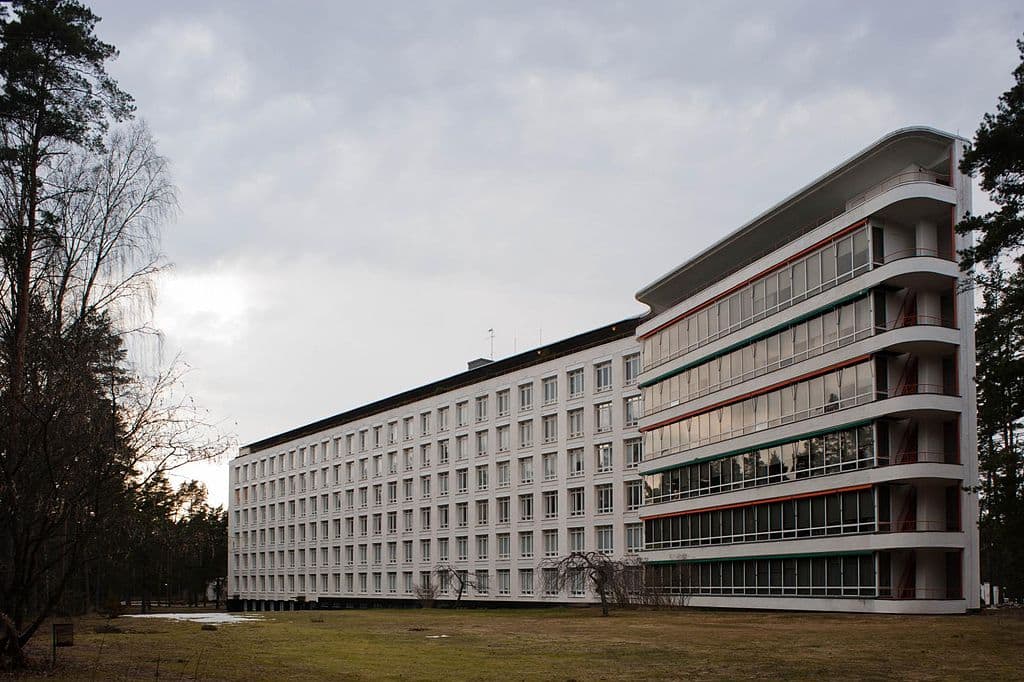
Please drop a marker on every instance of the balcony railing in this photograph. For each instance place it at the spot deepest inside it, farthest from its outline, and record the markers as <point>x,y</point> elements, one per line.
<point>896,181</point>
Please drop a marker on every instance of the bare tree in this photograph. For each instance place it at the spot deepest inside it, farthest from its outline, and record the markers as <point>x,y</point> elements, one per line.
<point>426,593</point>
<point>621,582</point>
<point>460,579</point>
<point>90,423</point>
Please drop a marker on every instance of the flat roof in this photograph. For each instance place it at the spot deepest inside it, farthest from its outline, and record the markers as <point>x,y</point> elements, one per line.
<point>807,208</point>
<point>573,344</point>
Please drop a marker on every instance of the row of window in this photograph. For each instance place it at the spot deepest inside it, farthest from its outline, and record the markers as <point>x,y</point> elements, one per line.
<point>842,513</point>
<point>840,260</point>
<point>603,461</point>
<point>832,391</point>
<point>817,576</point>
<point>376,524</point>
<point>446,549</point>
<point>841,450</point>
<point>832,329</point>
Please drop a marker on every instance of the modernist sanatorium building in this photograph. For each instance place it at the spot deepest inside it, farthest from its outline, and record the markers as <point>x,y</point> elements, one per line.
<point>791,426</point>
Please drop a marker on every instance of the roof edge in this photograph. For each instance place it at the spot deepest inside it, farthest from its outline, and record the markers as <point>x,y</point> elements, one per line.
<point>888,138</point>
<point>573,344</point>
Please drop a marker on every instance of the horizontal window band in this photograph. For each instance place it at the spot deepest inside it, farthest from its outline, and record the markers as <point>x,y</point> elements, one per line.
<point>754,503</point>
<point>761,446</point>
<point>767,389</point>
<point>803,555</point>
<point>767,271</point>
<point>754,339</point>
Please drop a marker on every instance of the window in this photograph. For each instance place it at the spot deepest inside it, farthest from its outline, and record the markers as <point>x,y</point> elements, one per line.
<point>442,419</point>
<point>425,551</point>
<point>634,452</point>
<point>425,424</point>
<point>503,399</point>
<point>503,475</point>
<point>407,458</point>
<point>407,429</point>
<point>425,455</point>
<point>481,443</point>
<point>481,546</point>
<point>526,433</point>
<point>604,537</point>
<point>550,504</point>
<point>603,417</point>
<point>634,494</point>
<point>462,514</point>
<point>482,507</point>
<point>578,540</point>
<point>631,369</point>
<point>577,502</point>
<point>503,545</point>
<point>406,489</point>
<point>503,513</point>
<point>442,549</point>
<point>442,483</point>
<point>550,428</point>
<point>461,480</point>
<point>481,408</point>
<point>504,438</point>
<point>462,548</point>
<point>442,451</point>
<point>526,470</point>
<point>504,581</point>
<point>576,466</point>
<point>526,544</point>
<point>605,500</point>
<point>604,457</point>
<point>425,487</point>
<point>549,463</point>
<point>461,448</point>
<point>482,477</point>
<point>602,377</point>
<point>525,397</point>
<point>442,516</point>
<point>526,581</point>
<point>575,419</point>
<point>462,413</point>
<point>550,390</point>
<point>526,507</point>
<point>550,540</point>
<point>575,380</point>
<point>633,408</point>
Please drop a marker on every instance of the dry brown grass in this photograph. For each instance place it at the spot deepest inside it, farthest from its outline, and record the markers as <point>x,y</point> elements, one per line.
<point>562,644</point>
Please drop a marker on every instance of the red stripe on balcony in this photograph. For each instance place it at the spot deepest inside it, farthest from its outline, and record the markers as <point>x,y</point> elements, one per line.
<point>778,266</point>
<point>754,394</point>
<point>737,505</point>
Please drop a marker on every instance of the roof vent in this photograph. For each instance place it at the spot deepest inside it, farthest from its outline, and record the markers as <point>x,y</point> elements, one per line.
<point>479,362</point>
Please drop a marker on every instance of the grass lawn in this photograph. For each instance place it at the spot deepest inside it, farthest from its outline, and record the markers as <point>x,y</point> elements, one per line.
<point>558,644</point>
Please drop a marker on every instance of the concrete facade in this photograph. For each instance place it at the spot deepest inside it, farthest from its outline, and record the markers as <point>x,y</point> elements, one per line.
<point>814,447</point>
<point>804,408</point>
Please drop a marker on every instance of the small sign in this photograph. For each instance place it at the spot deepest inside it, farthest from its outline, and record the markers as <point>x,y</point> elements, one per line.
<point>63,634</point>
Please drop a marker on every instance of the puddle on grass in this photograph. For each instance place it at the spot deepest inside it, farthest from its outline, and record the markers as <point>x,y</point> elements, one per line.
<point>204,618</point>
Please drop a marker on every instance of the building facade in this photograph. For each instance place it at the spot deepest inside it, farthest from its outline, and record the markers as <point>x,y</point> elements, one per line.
<point>809,407</point>
<point>791,426</point>
<point>485,474</point>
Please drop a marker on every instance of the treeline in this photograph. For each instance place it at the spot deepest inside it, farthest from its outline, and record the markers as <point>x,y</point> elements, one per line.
<point>997,260</point>
<point>166,546</point>
<point>90,422</point>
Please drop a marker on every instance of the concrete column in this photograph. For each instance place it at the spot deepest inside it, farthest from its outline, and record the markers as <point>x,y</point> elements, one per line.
<point>929,309</point>
<point>926,238</point>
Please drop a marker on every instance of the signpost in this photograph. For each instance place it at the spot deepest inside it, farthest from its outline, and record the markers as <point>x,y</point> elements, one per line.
<point>63,635</point>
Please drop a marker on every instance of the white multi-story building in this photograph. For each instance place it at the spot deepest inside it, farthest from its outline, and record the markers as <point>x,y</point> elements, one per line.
<point>809,424</point>
<point>489,472</point>
<point>807,431</point>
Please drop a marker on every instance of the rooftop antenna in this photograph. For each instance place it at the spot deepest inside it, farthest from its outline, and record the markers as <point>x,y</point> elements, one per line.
<point>491,333</point>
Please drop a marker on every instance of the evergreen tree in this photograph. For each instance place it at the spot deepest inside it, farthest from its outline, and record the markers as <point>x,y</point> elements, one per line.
<point>997,261</point>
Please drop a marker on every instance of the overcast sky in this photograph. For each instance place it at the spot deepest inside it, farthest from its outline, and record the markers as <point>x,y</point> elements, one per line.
<point>367,188</point>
